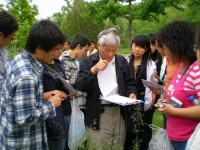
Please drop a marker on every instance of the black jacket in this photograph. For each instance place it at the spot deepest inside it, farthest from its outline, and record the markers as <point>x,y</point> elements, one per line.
<point>88,83</point>
<point>55,127</point>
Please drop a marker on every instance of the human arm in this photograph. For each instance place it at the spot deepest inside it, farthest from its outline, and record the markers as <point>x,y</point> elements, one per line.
<point>87,77</point>
<point>28,105</point>
<point>189,112</point>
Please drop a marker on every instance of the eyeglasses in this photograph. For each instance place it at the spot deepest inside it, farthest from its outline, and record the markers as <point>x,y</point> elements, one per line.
<point>105,32</point>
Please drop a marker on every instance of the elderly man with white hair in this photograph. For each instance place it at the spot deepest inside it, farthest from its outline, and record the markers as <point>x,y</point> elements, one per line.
<point>103,118</point>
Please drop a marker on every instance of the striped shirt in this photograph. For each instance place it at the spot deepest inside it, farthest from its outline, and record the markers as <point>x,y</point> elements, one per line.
<point>181,88</point>
<point>3,61</point>
<point>22,108</point>
<point>71,70</point>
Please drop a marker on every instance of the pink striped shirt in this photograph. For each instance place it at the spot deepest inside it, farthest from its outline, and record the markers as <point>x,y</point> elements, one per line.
<point>180,129</point>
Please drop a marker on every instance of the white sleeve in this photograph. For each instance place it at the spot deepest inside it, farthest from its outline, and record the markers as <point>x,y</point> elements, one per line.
<point>151,68</point>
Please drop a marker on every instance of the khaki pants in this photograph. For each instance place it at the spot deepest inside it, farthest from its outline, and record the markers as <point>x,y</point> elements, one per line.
<point>112,130</point>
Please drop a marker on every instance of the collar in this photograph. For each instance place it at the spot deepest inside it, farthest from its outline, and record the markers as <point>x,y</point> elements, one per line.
<point>36,64</point>
<point>65,54</point>
<point>112,61</point>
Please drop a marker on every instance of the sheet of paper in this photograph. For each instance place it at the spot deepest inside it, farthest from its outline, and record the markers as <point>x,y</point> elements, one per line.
<point>152,84</point>
<point>107,80</point>
<point>121,100</point>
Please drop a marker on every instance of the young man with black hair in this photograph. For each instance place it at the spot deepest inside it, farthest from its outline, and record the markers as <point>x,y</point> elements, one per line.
<point>71,59</point>
<point>23,110</point>
<point>8,27</point>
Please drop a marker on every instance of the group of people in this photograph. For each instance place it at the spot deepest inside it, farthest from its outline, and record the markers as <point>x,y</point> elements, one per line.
<point>35,107</point>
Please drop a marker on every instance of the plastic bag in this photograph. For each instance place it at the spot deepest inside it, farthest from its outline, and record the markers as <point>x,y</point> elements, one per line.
<point>193,142</point>
<point>160,141</point>
<point>77,130</point>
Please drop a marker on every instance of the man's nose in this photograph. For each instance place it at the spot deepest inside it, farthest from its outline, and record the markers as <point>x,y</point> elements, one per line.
<point>110,53</point>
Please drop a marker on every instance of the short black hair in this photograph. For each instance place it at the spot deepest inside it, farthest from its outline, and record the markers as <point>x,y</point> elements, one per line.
<point>8,23</point>
<point>178,36</point>
<point>45,35</point>
<point>93,42</point>
<point>79,39</point>
<point>152,38</point>
<point>197,37</point>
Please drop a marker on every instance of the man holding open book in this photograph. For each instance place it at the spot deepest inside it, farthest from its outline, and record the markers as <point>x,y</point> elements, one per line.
<point>103,74</point>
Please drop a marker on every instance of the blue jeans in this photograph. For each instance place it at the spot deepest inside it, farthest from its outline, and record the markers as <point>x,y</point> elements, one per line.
<point>62,144</point>
<point>179,145</point>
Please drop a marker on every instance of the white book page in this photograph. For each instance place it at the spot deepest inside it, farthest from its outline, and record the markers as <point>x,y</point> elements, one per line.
<point>106,80</point>
<point>121,100</point>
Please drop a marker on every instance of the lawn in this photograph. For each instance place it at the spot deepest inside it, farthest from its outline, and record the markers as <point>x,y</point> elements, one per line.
<point>157,119</point>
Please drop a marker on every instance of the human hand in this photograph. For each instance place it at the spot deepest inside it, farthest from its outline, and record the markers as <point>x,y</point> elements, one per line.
<point>62,94</point>
<point>168,109</point>
<point>56,100</point>
<point>101,65</point>
<point>155,90</point>
<point>132,96</point>
<point>160,103</point>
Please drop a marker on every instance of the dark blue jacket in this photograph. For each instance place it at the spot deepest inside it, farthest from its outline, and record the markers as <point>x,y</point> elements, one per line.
<point>88,83</point>
<point>55,127</point>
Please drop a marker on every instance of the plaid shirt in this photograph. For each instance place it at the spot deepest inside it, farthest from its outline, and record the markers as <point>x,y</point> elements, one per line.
<point>71,71</point>
<point>22,109</point>
<point>3,61</point>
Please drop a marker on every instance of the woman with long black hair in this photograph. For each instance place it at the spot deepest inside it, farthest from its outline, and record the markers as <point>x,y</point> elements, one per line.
<point>143,68</point>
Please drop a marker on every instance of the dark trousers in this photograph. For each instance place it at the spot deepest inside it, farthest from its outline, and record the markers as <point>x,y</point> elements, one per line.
<point>141,137</point>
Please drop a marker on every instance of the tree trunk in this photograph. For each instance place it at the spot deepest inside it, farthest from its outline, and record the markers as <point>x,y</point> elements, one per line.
<point>130,21</point>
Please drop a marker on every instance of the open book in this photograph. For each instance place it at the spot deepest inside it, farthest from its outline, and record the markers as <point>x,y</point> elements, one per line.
<point>121,100</point>
<point>152,84</point>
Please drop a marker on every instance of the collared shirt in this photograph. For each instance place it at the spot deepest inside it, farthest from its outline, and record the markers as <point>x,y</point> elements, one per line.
<point>22,108</point>
<point>71,70</point>
<point>90,53</point>
<point>3,61</point>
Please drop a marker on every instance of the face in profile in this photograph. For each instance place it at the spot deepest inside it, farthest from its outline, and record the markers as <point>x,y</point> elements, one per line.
<point>6,40</point>
<point>153,47</point>
<point>48,57</point>
<point>66,46</point>
<point>81,51</point>
<point>92,46</point>
<point>161,50</point>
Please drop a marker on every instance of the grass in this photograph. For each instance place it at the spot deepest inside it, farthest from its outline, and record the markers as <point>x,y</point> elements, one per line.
<point>157,119</point>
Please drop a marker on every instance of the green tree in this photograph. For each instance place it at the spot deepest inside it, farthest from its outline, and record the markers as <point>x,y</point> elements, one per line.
<point>144,10</point>
<point>78,20</point>
<point>25,13</point>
